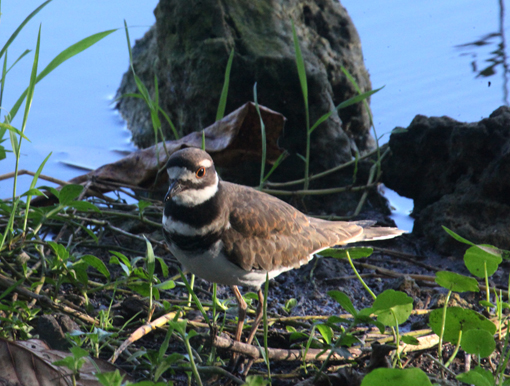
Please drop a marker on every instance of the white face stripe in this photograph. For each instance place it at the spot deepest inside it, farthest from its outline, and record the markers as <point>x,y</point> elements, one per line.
<point>192,197</point>
<point>178,173</point>
<point>206,163</point>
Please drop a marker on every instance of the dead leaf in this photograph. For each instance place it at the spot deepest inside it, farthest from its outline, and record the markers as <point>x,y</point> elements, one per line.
<point>29,363</point>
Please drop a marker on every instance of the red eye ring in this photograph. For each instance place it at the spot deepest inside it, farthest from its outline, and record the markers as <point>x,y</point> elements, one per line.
<point>200,172</point>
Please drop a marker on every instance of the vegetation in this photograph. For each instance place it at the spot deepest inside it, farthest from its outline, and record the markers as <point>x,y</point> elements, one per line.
<point>103,251</point>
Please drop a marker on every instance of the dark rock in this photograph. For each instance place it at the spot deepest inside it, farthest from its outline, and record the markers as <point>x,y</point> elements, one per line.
<point>188,49</point>
<point>458,176</point>
<point>52,329</point>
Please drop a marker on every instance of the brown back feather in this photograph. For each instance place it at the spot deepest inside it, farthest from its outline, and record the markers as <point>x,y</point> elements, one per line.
<point>262,235</point>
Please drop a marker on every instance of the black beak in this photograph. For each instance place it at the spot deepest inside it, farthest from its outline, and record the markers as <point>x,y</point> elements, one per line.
<point>175,188</point>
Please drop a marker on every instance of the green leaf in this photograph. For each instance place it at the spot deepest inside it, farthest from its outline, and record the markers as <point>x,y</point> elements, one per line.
<point>390,304</point>
<point>166,285</point>
<point>13,129</point>
<point>408,339</point>
<point>300,63</point>
<point>20,27</point>
<point>396,377</point>
<point>348,102</point>
<point>341,253</point>
<point>122,257</point>
<point>478,342</point>
<point>96,263</point>
<point>179,326</point>
<point>59,59</point>
<point>142,205</point>
<point>326,332</point>
<point>83,206</point>
<point>458,318</point>
<point>479,256</point>
<point>477,377</point>
<point>344,301</point>
<point>69,193</point>
<point>163,265</point>
<point>224,92</point>
<point>456,282</point>
<point>456,236</point>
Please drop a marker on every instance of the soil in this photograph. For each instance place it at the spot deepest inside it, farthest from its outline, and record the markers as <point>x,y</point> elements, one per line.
<point>405,264</point>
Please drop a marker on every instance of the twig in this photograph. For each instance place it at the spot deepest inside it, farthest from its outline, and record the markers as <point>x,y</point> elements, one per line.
<point>317,192</point>
<point>281,354</point>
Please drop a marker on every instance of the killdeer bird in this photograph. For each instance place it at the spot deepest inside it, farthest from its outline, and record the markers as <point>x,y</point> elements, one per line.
<point>235,235</point>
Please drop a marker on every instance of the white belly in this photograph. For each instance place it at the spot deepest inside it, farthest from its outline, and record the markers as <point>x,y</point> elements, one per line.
<point>213,266</point>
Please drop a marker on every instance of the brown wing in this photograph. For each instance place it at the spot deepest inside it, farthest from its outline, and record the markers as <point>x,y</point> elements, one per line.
<point>266,233</point>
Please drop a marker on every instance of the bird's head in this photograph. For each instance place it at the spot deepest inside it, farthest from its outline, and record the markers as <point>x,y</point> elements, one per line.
<point>193,178</point>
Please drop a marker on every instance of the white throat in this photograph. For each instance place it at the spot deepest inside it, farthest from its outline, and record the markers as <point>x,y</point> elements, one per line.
<point>192,197</point>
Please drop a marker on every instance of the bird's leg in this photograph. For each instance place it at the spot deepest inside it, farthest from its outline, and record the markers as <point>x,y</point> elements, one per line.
<point>234,362</point>
<point>255,325</point>
<point>241,313</point>
<point>258,317</point>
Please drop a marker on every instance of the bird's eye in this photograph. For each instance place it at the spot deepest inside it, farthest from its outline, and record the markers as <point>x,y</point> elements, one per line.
<point>200,172</point>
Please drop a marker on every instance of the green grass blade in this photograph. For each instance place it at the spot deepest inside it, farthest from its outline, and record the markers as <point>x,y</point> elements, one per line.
<point>25,53</point>
<point>2,81</point>
<point>28,104</point>
<point>344,104</point>
<point>224,92</point>
<point>275,165</point>
<point>61,58</point>
<point>31,86</point>
<point>20,27</point>
<point>32,186</point>
<point>300,66</point>
<point>129,45</point>
<point>172,126</point>
<point>262,135</point>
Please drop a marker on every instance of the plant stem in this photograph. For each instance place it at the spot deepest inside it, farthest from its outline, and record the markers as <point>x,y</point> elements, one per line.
<point>358,275</point>
<point>440,344</point>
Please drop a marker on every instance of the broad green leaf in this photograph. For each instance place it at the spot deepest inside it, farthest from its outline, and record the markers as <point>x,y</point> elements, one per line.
<point>396,377</point>
<point>408,339</point>
<point>326,332</point>
<point>456,236</point>
<point>33,192</point>
<point>348,340</point>
<point>83,206</point>
<point>179,326</point>
<point>96,263</point>
<point>166,285</point>
<point>477,377</point>
<point>458,318</point>
<point>456,282</point>
<point>479,256</point>
<point>122,257</point>
<point>163,265</point>
<point>341,253</point>
<point>344,301</point>
<point>391,304</point>
<point>478,342</point>
<point>69,193</point>
<point>143,204</point>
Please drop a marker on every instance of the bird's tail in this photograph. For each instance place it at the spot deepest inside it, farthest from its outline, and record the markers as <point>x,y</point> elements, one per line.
<point>377,233</point>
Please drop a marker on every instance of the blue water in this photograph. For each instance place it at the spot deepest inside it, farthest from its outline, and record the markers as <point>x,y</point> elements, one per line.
<point>429,55</point>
